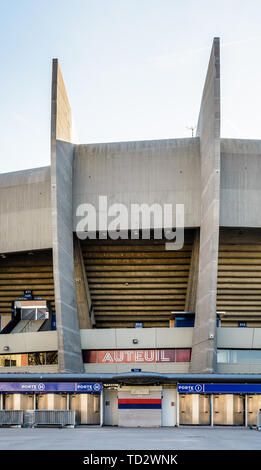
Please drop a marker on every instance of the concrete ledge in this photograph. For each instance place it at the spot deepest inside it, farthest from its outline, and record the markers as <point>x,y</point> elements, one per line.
<point>238,368</point>
<point>49,369</point>
<point>172,367</point>
<point>239,338</point>
<point>39,341</point>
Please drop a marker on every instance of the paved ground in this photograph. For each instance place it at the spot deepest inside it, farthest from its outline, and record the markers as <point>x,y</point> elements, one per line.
<point>94,438</point>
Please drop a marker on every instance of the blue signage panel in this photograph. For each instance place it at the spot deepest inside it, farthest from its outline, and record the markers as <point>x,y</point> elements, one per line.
<point>219,388</point>
<point>40,387</point>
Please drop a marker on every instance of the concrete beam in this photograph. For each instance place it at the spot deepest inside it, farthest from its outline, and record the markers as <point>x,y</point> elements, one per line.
<point>208,130</point>
<point>191,294</point>
<point>83,296</point>
<point>62,156</point>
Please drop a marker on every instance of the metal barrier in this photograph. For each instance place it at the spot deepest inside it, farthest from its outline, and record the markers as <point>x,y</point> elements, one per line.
<point>54,417</point>
<point>11,417</point>
<point>28,418</point>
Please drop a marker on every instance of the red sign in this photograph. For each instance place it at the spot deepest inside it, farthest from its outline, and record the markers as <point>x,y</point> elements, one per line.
<point>136,356</point>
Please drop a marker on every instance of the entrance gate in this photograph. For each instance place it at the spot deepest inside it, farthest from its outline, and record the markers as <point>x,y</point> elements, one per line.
<point>253,406</point>
<point>228,410</point>
<point>194,409</point>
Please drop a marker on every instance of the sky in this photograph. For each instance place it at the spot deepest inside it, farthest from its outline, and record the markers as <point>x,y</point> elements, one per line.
<point>133,69</point>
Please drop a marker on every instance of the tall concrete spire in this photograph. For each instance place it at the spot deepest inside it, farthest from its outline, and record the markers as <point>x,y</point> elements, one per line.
<point>62,156</point>
<point>208,130</point>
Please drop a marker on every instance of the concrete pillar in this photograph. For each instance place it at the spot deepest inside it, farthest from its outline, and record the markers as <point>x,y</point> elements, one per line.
<point>62,156</point>
<point>203,358</point>
<point>83,296</point>
<point>191,294</point>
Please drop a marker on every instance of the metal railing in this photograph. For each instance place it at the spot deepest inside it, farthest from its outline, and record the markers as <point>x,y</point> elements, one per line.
<point>54,417</point>
<point>11,417</point>
<point>33,418</point>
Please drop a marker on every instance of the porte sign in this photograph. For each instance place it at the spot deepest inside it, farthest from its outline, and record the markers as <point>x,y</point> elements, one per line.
<point>40,387</point>
<point>219,388</point>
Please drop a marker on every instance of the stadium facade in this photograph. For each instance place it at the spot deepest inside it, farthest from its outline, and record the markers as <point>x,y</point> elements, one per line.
<point>128,331</point>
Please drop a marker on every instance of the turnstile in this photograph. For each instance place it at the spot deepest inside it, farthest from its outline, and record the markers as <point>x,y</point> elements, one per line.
<point>87,408</point>
<point>228,410</point>
<point>51,401</point>
<point>185,409</point>
<point>204,409</point>
<point>18,401</point>
<point>253,406</point>
<point>194,409</point>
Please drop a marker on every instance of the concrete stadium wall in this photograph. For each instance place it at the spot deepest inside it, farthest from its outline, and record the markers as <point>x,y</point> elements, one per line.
<point>240,190</point>
<point>239,338</point>
<point>151,338</point>
<point>62,154</point>
<point>25,210</point>
<point>159,171</point>
<point>238,368</point>
<point>204,349</point>
<point>42,341</point>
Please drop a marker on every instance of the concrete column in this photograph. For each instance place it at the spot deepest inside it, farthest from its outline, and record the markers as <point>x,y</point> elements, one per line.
<point>203,358</point>
<point>62,156</point>
<point>83,295</point>
<point>191,294</point>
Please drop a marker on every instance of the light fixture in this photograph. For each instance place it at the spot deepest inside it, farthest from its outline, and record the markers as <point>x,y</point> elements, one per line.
<point>6,348</point>
<point>135,341</point>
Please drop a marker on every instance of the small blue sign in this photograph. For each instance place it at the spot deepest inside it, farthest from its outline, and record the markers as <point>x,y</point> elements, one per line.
<point>89,387</point>
<point>43,387</point>
<point>135,370</point>
<point>219,388</point>
<point>138,324</point>
<point>191,388</point>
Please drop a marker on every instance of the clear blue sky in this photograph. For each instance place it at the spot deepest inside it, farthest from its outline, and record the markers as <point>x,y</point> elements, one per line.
<point>134,69</point>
